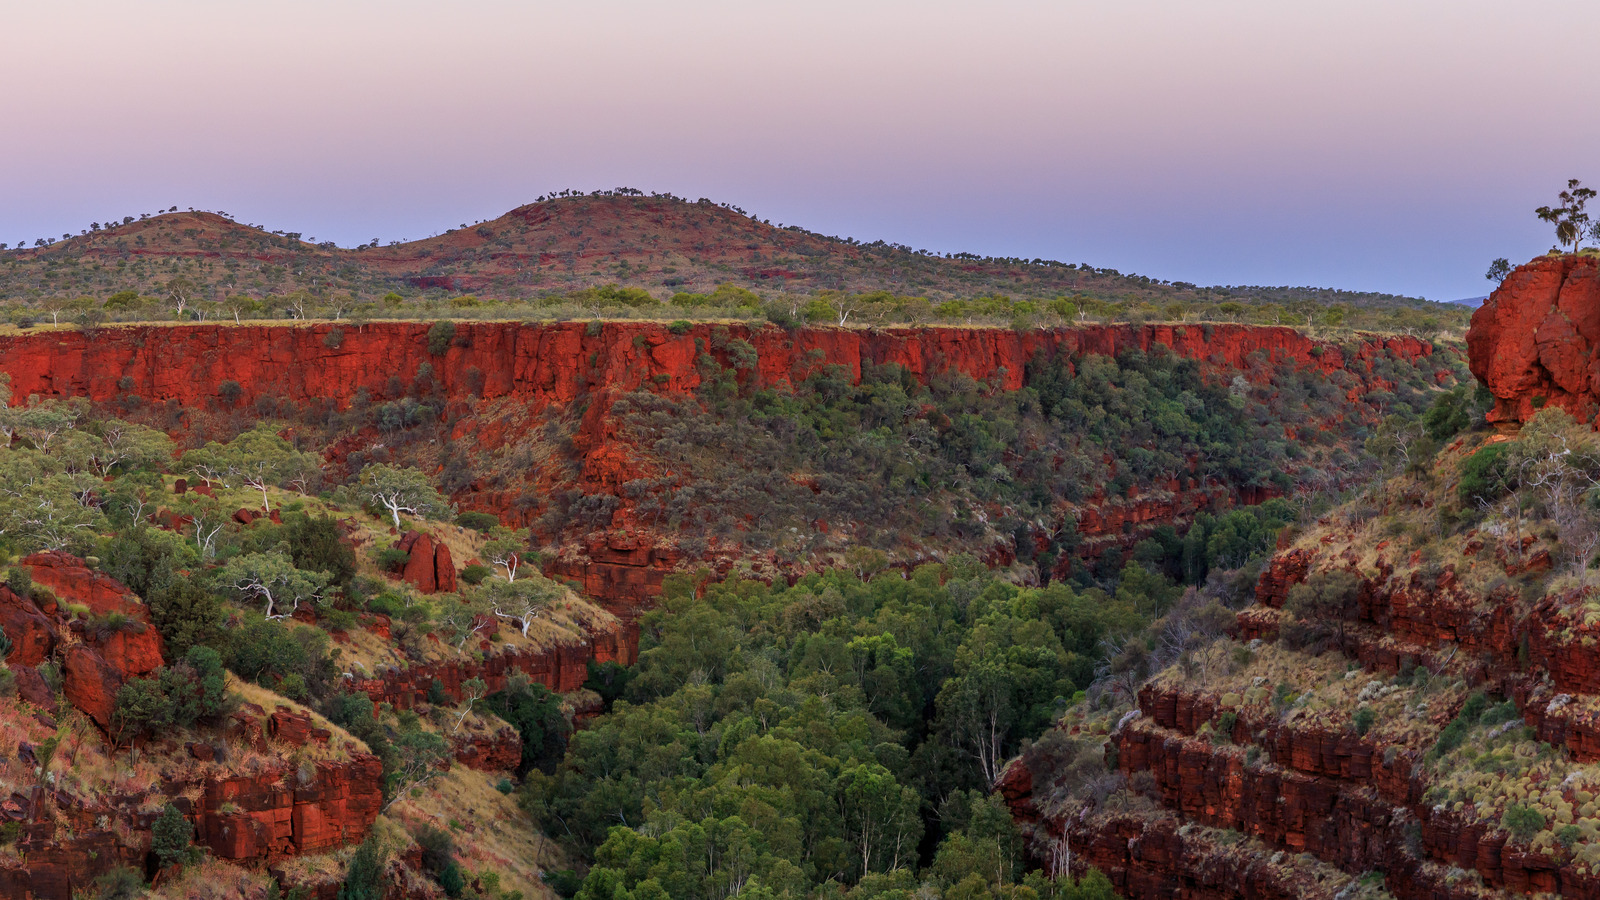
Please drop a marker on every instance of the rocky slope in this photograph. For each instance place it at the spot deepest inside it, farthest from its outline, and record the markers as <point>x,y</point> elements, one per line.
<point>268,786</point>
<point>1431,731</point>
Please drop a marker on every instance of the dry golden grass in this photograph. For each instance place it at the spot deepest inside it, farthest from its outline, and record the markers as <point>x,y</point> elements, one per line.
<point>490,831</point>
<point>1326,691</point>
<point>336,748</point>
<point>213,879</point>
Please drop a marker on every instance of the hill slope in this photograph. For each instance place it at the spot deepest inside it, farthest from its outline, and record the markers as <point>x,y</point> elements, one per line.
<point>660,243</point>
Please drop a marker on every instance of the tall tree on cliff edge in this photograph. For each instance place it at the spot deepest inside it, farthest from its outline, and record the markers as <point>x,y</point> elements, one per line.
<point>1569,218</point>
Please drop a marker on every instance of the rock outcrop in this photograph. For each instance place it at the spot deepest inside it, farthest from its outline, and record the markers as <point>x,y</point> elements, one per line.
<point>561,668</point>
<point>1536,341</point>
<point>498,751</point>
<point>98,654</point>
<point>281,812</point>
<point>428,567</point>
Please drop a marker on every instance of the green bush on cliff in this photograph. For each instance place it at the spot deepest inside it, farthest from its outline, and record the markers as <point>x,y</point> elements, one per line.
<point>1523,822</point>
<point>440,334</point>
<point>1486,475</point>
<point>172,838</point>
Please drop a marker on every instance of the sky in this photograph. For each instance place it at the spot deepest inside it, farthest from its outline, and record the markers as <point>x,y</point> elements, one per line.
<point>1390,145</point>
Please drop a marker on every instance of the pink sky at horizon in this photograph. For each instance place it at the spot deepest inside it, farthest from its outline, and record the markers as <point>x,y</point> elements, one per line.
<point>1393,146</point>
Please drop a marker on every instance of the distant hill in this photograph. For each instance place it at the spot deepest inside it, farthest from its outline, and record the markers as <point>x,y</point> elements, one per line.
<point>660,243</point>
<point>1473,302</point>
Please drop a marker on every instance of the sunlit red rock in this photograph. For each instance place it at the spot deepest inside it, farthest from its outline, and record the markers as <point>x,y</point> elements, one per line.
<point>1534,341</point>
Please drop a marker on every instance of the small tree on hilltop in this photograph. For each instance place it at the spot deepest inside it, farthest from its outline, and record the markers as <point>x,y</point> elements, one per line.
<point>1571,222</point>
<point>402,490</point>
<point>1498,270</point>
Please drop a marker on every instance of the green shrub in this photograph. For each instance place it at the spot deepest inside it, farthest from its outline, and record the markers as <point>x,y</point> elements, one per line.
<point>1454,733</point>
<point>439,859</point>
<point>1225,723</point>
<point>1523,822</point>
<point>391,558</point>
<point>366,877</point>
<point>1364,719</point>
<point>1452,412</point>
<point>172,838</point>
<point>477,521</point>
<point>475,574</point>
<point>385,604</point>
<point>179,695</point>
<point>440,334</point>
<point>20,581</point>
<point>1486,475</point>
<point>186,614</point>
<point>680,327</point>
<point>1499,713</point>
<point>565,882</point>
<point>316,545</point>
<point>121,883</point>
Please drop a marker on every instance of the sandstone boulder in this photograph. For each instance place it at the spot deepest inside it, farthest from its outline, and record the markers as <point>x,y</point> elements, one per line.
<point>134,647</point>
<point>31,632</point>
<point>430,568</point>
<point>90,683</point>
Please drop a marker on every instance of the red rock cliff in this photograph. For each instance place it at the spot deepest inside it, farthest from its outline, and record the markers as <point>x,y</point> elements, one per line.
<point>560,361</point>
<point>1535,340</point>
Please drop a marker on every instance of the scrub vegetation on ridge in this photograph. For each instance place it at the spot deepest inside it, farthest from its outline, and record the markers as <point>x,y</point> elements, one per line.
<point>617,254</point>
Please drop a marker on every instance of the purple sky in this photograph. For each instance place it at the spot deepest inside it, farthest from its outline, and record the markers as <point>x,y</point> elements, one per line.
<point>1390,145</point>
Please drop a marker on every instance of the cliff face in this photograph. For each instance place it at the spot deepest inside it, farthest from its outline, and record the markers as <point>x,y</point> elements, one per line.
<point>500,380</point>
<point>559,362</point>
<point>1536,340</point>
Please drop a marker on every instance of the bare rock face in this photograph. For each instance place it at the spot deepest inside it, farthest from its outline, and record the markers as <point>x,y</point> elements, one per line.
<point>115,644</point>
<point>274,815</point>
<point>498,751</point>
<point>134,648</point>
<point>31,632</point>
<point>429,568</point>
<point>90,683</point>
<point>561,668</point>
<point>1534,342</point>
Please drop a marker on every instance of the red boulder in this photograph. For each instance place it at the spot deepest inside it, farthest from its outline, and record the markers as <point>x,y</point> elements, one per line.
<point>90,683</point>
